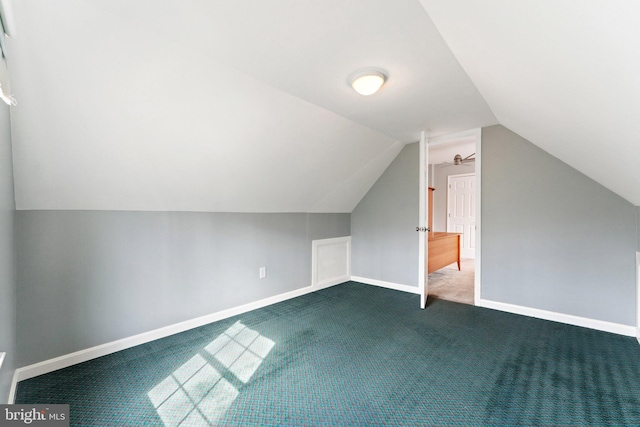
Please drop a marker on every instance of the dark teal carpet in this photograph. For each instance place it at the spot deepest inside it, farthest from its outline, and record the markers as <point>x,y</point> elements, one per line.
<point>355,354</point>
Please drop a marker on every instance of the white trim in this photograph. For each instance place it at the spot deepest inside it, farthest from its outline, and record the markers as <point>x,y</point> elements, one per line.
<point>470,135</point>
<point>388,285</point>
<point>569,319</point>
<point>315,244</point>
<point>2,355</point>
<point>66,360</point>
<point>329,283</point>
<point>423,214</point>
<point>477,288</point>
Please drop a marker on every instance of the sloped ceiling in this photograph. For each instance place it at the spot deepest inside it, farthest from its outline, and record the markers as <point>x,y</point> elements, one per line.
<point>200,105</point>
<point>563,74</point>
<point>444,153</point>
<point>238,106</point>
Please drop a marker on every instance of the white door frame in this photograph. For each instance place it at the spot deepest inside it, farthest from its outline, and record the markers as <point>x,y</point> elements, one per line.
<point>423,215</point>
<point>475,134</point>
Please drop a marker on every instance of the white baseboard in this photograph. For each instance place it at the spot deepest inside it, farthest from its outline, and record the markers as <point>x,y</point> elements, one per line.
<point>67,360</point>
<point>388,285</point>
<point>569,319</point>
<point>331,266</point>
<point>329,283</point>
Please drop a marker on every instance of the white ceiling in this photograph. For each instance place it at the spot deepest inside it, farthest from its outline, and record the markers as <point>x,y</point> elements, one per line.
<point>563,74</point>
<point>222,106</point>
<point>244,106</point>
<point>444,153</point>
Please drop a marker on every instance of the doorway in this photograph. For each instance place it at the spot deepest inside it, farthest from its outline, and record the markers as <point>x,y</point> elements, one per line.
<point>440,167</point>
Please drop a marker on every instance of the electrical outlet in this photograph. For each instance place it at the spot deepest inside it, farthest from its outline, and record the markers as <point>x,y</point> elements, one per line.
<point>262,272</point>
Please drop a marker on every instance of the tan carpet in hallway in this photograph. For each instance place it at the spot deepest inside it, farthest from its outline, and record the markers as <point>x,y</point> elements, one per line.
<point>452,285</point>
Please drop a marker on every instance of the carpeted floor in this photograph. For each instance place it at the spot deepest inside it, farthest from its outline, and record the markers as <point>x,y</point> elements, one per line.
<point>452,284</point>
<point>356,354</point>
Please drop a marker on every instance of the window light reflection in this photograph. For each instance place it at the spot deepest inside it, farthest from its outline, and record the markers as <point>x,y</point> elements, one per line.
<point>200,391</point>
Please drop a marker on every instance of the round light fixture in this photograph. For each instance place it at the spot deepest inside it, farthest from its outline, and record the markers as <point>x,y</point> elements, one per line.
<point>367,82</point>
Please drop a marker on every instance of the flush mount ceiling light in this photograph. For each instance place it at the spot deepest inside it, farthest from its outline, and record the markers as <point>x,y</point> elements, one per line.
<point>367,82</point>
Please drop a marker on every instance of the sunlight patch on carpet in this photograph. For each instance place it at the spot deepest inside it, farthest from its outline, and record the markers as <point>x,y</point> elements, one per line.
<point>201,390</point>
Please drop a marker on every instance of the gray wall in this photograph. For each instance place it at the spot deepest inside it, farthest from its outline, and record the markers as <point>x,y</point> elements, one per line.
<point>638,225</point>
<point>552,238</point>
<point>442,172</point>
<point>91,277</point>
<point>7,257</point>
<point>383,225</point>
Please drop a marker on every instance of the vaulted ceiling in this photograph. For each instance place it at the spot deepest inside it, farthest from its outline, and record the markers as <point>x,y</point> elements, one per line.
<point>563,74</point>
<point>244,106</point>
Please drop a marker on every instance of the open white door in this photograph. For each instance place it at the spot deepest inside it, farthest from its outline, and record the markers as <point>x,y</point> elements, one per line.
<point>423,277</point>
